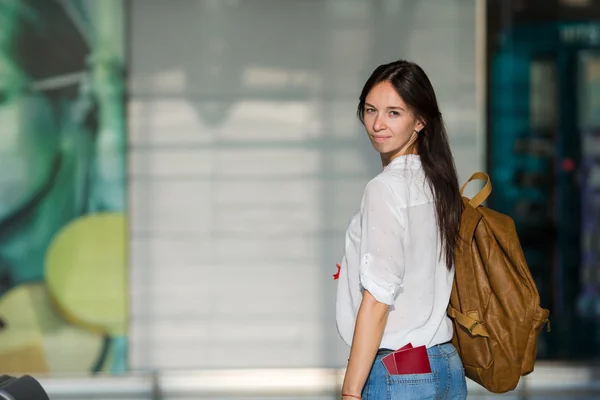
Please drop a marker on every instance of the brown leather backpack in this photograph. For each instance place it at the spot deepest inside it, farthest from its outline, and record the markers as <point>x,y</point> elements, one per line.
<point>495,305</point>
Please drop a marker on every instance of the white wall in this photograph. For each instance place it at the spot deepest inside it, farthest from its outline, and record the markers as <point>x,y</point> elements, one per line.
<point>246,161</point>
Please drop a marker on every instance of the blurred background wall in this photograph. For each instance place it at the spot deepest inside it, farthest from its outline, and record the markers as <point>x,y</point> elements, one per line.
<point>247,161</point>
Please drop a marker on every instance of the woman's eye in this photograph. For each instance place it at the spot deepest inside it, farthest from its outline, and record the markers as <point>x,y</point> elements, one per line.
<point>394,113</point>
<point>369,110</point>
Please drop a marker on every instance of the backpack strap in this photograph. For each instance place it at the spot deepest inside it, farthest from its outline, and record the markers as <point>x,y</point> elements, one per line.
<point>483,193</point>
<point>472,325</point>
<point>464,273</point>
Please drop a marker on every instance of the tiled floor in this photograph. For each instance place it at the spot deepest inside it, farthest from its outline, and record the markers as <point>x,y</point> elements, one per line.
<point>541,396</point>
<point>549,381</point>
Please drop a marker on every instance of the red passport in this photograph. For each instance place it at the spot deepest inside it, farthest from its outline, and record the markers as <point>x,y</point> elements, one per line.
<point>389,362</point>
<point>407,360</point>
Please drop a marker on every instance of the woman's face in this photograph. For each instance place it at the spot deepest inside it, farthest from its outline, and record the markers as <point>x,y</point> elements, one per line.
<point>388,121</point>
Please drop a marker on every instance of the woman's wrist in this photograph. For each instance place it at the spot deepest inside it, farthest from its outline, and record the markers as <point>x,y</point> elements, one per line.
<point>351,396</point>
<point>351,391</point>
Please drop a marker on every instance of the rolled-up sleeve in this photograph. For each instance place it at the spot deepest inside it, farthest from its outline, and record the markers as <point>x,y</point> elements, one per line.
<point>381,243</point>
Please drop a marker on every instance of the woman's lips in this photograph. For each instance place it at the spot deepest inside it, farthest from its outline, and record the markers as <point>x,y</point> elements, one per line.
<point>380,139</point>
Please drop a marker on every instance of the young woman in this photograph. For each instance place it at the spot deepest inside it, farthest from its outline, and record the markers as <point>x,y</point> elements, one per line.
<point>397,272</point>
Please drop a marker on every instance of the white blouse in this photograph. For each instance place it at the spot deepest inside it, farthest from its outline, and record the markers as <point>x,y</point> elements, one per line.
<point>393,250</point>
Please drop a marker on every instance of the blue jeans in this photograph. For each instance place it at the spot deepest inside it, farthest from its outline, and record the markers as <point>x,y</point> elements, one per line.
<point>446,380</point>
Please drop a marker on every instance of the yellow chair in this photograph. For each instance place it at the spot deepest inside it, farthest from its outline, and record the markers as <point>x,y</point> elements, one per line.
<point>87,277</point>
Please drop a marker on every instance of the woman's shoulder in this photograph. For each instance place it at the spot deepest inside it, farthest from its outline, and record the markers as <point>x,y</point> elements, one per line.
<point>387,188</point>
<point>405,187</point>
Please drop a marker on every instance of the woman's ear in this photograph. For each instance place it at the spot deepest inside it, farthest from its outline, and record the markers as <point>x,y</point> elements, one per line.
<point>419,126</point>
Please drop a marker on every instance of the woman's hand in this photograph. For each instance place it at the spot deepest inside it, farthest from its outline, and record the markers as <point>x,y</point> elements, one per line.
<point>370,324</point>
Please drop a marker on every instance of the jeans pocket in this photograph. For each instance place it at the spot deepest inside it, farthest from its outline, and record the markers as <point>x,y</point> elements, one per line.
<point>412,386</point>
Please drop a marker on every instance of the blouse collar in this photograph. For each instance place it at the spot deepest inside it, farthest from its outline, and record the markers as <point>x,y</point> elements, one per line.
<point>410,161</point>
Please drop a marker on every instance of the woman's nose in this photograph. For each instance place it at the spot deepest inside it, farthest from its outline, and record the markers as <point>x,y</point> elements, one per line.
<point>379,124</point>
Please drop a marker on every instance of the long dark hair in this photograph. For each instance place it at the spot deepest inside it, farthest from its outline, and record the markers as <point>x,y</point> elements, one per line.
<point>413,86</point>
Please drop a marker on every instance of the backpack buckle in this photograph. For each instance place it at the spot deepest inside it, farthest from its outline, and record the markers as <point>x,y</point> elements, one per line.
<point>473,327</point>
